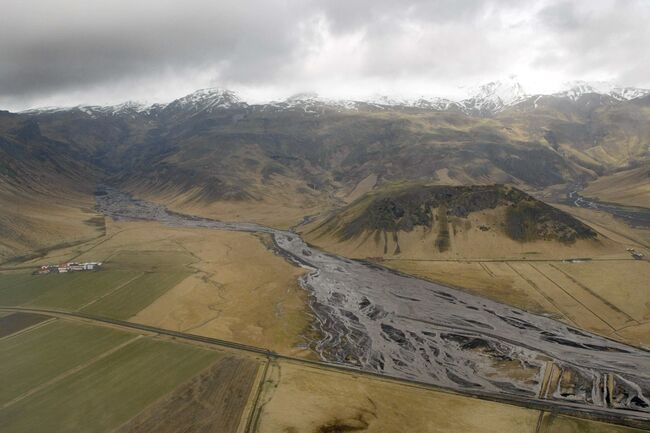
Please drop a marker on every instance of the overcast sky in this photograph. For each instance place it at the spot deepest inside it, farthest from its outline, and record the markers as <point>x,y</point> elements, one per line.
<point>68,52</point>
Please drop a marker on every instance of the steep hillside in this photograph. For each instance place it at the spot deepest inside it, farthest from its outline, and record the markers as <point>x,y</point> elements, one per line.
<point>419,221</point>
<point>46,190</point>
<point>627,187</point>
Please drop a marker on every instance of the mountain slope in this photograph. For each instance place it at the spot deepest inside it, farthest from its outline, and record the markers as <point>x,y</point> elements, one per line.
<point>211,151</point>
<point>628,187</point>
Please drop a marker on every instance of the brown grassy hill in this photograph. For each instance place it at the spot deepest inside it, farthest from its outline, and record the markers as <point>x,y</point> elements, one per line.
<point>628,187</point>
<point>429,222</point>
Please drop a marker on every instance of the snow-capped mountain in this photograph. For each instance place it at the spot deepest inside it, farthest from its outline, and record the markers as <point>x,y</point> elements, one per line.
<point>311,102</point>
<point>424,102</point>
<point>575,89</point>
<point>487,99</point>
<point>206,100</point>
<point>494,97</point>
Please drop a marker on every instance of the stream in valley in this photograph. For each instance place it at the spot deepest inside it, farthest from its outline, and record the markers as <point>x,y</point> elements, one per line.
<point>405,327</point>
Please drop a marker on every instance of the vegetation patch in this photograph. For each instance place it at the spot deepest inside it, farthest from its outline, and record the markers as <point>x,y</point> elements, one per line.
<point>527,219</point>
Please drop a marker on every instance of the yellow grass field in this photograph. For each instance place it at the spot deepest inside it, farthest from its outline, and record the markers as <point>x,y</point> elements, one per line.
<point>323,401</point>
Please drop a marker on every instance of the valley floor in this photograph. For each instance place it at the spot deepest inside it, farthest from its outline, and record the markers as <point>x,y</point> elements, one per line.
<point>229,285</point>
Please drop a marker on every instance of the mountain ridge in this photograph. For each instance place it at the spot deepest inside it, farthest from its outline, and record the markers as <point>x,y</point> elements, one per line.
<point>487,99</point>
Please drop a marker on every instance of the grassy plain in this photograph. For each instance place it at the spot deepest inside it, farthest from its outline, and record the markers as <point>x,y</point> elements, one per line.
<point>110,391</point>
<point>280,202</point>
<point>552,423</point>
<point>238,291</point>
<point>73,291</point>
<point>324,401</point>
<point>628,187</point>
<point>67,291</point>
<point>41,354</point>
<point>235,289</point>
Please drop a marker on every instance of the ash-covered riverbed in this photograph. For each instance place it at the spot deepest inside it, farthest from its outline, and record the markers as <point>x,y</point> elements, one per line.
<point>401,326</point>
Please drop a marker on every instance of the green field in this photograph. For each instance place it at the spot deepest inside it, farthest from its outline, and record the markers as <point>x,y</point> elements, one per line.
<point>151,261</point>
<point>65,291</point>
<point>136,295</point>
<point>11,279</point>
<point>39,355</point>
<point>107,393</point>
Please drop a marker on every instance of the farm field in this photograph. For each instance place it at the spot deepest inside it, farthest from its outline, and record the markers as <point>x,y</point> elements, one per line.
<point>65,291</point>
<point>552,423</point>
<point>39,355</point>
<point>135,295</point>
<point>10,323</point>
<point>120,376</point>
<point>226,285</point>
<point>214,400</point>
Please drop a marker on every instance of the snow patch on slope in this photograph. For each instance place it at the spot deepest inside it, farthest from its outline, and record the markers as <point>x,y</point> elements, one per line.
<point>575,89</point>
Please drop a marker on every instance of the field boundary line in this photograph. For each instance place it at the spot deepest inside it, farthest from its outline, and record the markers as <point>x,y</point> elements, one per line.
<point>574,298</point>
<point>538,426</point>
<point>487,270</point>
<point>88,304</point>
<point>544,294</point>
<point>69,373</point>
<point>253,417</point>
<point>594,294</point>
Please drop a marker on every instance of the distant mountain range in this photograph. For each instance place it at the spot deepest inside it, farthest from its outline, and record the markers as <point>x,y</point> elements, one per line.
<point>485,100</point>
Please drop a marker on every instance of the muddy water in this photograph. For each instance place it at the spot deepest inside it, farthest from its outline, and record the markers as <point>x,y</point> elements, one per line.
<point>405,327</point>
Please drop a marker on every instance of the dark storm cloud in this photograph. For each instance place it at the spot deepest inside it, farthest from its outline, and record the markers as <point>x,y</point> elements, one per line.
<point>45,47</point>
<point>73,50</point>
